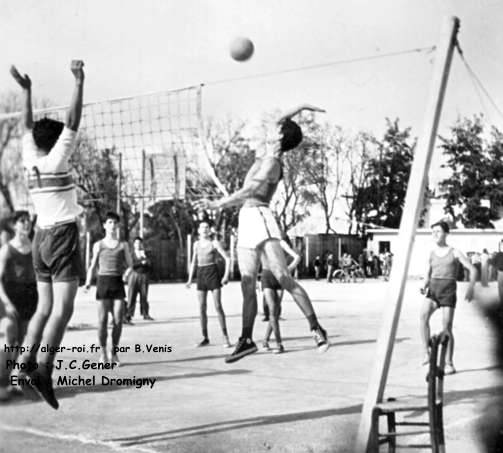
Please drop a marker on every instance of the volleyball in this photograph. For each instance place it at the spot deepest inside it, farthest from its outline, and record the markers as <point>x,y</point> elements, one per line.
<point>241,49</point>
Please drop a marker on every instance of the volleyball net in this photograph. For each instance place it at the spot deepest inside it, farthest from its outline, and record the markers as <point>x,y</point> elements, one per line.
<point>155,142</point>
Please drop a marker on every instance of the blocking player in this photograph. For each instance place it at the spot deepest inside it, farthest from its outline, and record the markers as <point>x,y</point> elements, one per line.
<point>47,148</point>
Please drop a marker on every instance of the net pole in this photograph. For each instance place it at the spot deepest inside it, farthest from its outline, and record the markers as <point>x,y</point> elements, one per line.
<point>119,185</point>
<point>142,199</point>
<point>232,246</point>
<point>408,224</point>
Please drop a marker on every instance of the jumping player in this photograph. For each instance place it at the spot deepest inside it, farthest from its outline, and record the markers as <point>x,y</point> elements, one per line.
<point>112,257</point>
<point>205,254</point>
<point>273,293</point>
<point>440,289</point>
<point>47,148</point>
<point>18,293</point>
<point>259,235</point>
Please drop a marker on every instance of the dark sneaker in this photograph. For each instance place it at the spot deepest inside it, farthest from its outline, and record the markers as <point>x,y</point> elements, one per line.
<point>205,342</point>
<point>265,318</point>
<point>321,339</point>
<point>148,318</point>
<point>244,347</point>
<point>279,349</point>
<point>43,386</point>
<point>265,346</point>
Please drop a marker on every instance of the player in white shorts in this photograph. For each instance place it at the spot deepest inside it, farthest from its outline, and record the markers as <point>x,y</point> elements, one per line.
<point>259,235</point>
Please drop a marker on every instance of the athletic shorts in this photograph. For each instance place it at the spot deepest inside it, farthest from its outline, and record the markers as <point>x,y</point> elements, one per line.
<point>268,280</point>
<point>56,253</point>
<point>110,287</point>
<point>208,278</point>
<point>256,225</point>
<point>442,292</point>
<point>24,296</point>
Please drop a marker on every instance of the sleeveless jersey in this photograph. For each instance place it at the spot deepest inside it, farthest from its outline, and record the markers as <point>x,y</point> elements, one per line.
<point>444,267</point>
<point>19,267</point>
<point>111,261</point>
<point>206,255</point>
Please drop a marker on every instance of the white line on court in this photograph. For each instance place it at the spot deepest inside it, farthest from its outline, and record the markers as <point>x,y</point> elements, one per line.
<point>115,446</point>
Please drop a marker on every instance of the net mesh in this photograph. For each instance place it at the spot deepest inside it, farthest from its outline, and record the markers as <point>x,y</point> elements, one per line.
<point>158,137</point>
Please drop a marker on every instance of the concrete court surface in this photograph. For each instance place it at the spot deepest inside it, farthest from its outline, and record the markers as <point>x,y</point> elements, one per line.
<point>300,401</point>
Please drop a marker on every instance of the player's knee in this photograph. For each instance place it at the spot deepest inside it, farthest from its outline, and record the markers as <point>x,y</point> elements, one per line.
<point>248,282</point>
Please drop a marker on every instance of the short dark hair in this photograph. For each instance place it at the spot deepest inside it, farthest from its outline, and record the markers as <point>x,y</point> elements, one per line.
<point>442,224</point>
<point>16,215</point>
<point>138,238</point>
<point>112,215</point>
<point>291,135</point>
<point>46,133</point>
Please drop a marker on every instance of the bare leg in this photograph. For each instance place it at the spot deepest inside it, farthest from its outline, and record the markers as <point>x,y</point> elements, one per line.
<point>37,323</point>
<point>118,308</point>
<point>104,306</point>
<point>217,300</point>
<point>447,320</point>
<point>248,266</point>
<point>201,297</point>
<point>427,309</point>
<point>273,304</point>
<point>9,331</point>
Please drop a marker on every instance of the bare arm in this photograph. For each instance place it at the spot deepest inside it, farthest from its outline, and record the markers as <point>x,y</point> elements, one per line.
<point>471,269</point>
<point>426,278</point>
<point>225,256</point>
<point>75,110</point>
<point>25,83</point>
<point>94,261</point>
<point>129,261</point>
<point>266,171</point>
<point>293,254</point>
<point>291,113</point>
<point>192,265</point>
<point>8,306</point>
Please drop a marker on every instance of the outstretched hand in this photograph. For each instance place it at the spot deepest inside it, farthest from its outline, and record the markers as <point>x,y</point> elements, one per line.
<point>313,108</point>
<point>204,204</point>
<point>77,68</point>
<point>24,82</point>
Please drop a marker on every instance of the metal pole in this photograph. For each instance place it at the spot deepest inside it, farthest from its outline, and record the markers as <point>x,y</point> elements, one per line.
<point>119,185</point>
<point>142,199</point>
<point>410,216</point>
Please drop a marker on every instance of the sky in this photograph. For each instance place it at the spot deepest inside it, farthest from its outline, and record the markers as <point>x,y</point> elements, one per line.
<point>132,47</point>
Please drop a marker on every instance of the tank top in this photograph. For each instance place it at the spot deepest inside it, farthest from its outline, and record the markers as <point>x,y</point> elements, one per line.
<point>19,267</point>
<point>265,192</point>
<point>444,267</point>
<point>206,255</point>
<point>111,261</point>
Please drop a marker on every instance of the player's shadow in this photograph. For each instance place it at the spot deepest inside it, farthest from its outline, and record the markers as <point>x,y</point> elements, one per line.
<point>70,391</point>
<point>232,425</point>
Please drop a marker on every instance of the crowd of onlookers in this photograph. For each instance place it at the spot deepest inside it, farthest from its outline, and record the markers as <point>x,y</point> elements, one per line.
<point>372,265</point>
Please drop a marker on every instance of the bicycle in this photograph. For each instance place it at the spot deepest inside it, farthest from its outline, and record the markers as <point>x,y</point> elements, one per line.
<point>355,274</point>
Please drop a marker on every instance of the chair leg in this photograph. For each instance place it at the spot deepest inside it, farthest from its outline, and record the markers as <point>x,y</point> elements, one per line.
<point>439,431</point>
<point>391,429</point>
<point>374,433</point>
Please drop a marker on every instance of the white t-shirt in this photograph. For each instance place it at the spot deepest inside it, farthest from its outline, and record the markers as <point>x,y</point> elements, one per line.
<point>50,180</point>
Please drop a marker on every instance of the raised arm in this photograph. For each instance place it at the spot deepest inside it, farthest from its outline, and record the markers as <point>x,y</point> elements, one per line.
<point>75,110</point>
<point>225,256</point>
<point>291,113</point>
<point>292,253</point>
<point>25,83</point>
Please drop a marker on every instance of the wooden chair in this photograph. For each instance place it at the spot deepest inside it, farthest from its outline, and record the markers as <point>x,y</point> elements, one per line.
<point>433,407</point>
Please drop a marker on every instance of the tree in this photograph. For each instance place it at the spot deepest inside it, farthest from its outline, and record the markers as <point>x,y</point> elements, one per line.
<point>476,173</point>
<point>381,198</point>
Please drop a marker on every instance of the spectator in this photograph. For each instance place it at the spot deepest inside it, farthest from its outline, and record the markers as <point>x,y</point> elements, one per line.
<point>317,267</point>
<point>330,267</point>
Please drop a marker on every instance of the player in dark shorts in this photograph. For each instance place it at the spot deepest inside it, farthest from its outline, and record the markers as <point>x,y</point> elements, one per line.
<point>48,146</point>
<point>273,293</point>
<point>112,257</point>
<point>208,279</point>
<point>440,289</point>
<point>18,294</point>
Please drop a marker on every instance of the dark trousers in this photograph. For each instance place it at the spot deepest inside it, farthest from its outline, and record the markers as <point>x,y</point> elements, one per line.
<point>137,284</point>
